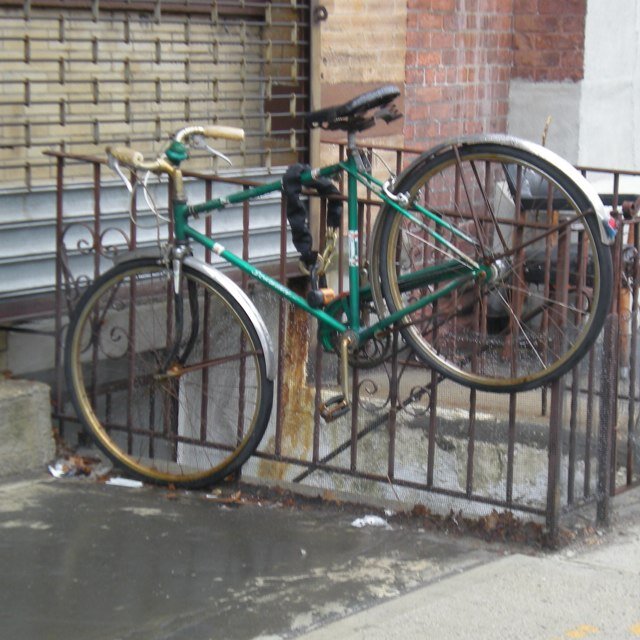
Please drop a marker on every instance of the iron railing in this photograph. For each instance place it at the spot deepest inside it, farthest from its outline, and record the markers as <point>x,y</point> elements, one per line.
<point>412,436</point>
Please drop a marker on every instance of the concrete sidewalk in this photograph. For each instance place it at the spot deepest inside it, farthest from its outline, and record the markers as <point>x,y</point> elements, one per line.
<point>87,560</point>
<point>591,594</point>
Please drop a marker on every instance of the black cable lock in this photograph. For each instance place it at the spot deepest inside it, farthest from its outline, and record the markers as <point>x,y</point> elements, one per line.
<point>298,214</point>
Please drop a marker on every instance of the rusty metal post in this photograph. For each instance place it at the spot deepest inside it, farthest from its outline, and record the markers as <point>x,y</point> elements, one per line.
<point>635,308</point>
<point>58,293</point>
<point>282,309</point>
<point>393,406</point>
<point>554,487</point>
<point>605,435</point>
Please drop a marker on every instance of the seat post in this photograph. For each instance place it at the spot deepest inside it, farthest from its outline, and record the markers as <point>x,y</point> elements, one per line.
<point>351,142</point>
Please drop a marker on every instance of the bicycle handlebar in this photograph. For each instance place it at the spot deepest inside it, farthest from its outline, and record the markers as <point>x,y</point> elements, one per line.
<point>135,159</point>
<point>228,133</point>
<point>126,156</point>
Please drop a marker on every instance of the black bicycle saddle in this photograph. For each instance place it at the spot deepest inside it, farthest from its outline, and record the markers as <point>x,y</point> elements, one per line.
<point>351,116</point>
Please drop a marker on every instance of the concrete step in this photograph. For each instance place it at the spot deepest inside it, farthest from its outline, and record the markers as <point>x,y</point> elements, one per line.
<point>26,436</point>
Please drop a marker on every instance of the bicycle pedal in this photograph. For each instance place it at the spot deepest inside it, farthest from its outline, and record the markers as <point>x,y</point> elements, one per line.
<point>334,408</point>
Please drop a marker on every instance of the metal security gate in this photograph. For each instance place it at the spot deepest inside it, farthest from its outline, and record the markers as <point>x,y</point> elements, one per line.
<point>80,75</point>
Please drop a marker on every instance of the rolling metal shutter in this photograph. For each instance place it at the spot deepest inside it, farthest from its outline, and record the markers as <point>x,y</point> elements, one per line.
<point>78,76</point>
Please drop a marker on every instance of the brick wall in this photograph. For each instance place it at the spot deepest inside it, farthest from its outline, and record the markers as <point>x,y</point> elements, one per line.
<point>549,39</point>
<point>458,66</point>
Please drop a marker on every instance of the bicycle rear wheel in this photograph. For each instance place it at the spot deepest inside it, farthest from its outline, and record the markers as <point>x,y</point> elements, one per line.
<point>182,407</point>
<point>546,276</point>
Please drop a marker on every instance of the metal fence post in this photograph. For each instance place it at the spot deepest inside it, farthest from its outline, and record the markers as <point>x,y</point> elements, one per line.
<point>58,357</point>
<point>554,487</point>
<point>607,413</point>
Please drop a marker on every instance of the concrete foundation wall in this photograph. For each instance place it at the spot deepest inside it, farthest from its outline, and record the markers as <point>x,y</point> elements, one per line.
<point>610,106</point>
<point>531,103</point>
<point>595,117</point>
<point>26,437</point>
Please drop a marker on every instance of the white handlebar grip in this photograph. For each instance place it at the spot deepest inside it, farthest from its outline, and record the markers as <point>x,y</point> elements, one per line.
<point>219,131</point>
<point>126,156</point>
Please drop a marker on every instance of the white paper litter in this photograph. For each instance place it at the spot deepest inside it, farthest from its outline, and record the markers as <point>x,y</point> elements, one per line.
<point>60,470</point>
<point>370,521</point>
<point>125,482</point>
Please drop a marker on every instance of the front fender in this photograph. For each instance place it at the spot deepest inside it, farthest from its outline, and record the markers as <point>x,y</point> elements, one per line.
<point>247,306</point>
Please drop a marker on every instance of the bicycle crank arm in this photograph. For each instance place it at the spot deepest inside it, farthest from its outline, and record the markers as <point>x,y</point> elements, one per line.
<point>338,406</point>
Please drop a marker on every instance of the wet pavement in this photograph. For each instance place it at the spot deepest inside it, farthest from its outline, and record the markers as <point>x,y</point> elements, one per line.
<point>82,559</point>
<point>86,560</point>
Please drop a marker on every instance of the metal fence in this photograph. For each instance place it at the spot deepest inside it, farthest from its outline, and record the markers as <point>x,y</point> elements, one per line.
<point>412,436</point>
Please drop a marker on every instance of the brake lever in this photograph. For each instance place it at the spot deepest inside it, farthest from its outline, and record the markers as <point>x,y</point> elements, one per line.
<point>115,166</point>
<point>198,142</point>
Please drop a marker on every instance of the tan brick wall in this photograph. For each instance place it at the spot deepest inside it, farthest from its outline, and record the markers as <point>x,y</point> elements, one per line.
<point>364,41</point>
<point>363,47</point>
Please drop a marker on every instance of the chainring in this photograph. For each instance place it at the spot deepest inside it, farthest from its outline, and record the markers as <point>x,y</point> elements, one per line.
<point>372,352</point>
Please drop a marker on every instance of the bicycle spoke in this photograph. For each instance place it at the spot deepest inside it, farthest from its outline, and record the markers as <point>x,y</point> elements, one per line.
<point>193,420</point>
<point>537,301</point>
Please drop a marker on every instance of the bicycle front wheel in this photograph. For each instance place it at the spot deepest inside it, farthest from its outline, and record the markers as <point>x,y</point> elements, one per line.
<point>172,388</point>
<point>542,283</point>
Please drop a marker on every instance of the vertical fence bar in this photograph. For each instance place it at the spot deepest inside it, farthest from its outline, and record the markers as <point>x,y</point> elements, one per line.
<point>633,346</point>
<point>573,431</point>
<point>315,456</point>
<point>393,406</point>
<point>554,486</point>
<point>554,491</point>
<point>97,245</point>
<point>589,422</point>
<point>354,419</point>
<point>513,402</point>
<point>473,395</point>
<point>282,309</point>
<point>433,424</point>
<point>245,240</point>
<point>208,194</point>
<point>243,338</point>
<point>58,358</point>
<point>615,353</point>
<point>605,435</point>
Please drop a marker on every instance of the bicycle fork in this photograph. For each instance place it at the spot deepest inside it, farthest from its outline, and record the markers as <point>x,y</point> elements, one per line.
<point>174,360</point>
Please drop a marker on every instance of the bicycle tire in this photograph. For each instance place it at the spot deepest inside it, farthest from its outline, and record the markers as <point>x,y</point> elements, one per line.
<point>531,228</point>
<point>187,411</point>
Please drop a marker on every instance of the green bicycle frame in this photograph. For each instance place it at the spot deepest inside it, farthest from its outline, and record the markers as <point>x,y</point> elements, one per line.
<point>456,272</point>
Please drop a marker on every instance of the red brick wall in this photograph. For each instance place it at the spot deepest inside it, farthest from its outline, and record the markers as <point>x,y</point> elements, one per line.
<point>458,65</point>
<point>549,39</point>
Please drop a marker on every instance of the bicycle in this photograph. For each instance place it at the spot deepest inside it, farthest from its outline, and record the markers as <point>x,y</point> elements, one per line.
<point>170,365</point>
